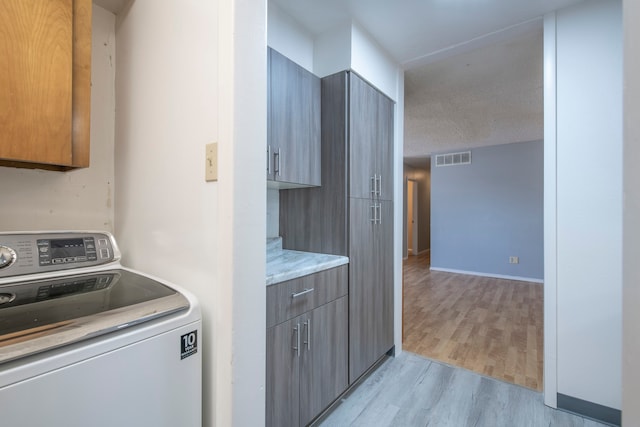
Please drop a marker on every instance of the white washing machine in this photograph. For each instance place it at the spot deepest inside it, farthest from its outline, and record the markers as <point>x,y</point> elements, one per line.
<point>85,342</point>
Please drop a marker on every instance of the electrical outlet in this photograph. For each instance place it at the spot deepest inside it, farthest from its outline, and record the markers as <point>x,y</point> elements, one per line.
<point>514,260</point>
<point>211,162</point>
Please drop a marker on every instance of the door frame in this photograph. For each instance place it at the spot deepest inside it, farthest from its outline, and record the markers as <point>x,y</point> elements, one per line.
<point>413,228</point>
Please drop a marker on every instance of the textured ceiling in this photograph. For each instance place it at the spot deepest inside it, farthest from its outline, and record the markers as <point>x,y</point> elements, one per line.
<point>473,67</point>
<point>412,30</point>
<point>488,96</point>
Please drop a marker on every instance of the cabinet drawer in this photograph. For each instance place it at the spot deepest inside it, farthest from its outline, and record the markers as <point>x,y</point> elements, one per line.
<point>284,303</point>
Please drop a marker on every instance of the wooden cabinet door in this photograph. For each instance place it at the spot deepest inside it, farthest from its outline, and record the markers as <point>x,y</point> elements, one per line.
<point>384,151</point>
<point>283,374</point>
<point>323,375</point>
<point>363,115</point>
<point>293,122</point>
<point>45,103</point>
<point>36,56</point>
<point>365,303</point>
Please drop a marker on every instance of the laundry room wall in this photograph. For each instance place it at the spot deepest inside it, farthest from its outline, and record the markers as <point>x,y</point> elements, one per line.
<point>190,73</point>
<point>32,199</point>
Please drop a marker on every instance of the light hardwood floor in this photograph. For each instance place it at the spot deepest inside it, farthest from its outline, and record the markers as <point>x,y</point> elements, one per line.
<point>490,326</point>
<point>409,390</point>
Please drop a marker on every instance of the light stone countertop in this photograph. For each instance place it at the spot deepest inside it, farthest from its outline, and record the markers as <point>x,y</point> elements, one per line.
<point>283,264</point>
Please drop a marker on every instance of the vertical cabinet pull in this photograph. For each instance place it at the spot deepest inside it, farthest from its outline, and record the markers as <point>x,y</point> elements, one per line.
<point>297,346</point>
<point>277,163</point>
<point>376,208</point>
<point>376,185</point>
<point>308,340</point>
<point>268,160</point>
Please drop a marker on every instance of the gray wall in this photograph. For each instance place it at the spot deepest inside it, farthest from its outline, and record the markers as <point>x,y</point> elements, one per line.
<point>484,212</point>
<point>423,177</point>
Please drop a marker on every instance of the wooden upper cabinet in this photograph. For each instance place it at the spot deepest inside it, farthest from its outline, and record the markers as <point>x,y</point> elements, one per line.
<point>45,97</point>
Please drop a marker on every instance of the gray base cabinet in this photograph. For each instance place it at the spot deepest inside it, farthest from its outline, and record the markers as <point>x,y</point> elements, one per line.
<point>307,354</point>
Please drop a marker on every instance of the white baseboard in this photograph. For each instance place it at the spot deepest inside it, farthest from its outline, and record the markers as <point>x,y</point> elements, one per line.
<point>424,251</point>
<point>495,276</point>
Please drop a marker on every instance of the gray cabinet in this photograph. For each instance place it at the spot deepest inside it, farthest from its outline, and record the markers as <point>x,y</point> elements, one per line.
<point>352,213</point>
<point>370,283</point>
<point>370,141</point>
<point>293,124</point>
<point>306,354</point>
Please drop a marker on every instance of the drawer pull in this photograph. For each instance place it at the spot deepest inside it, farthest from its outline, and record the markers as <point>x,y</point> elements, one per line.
<point>299,294</point>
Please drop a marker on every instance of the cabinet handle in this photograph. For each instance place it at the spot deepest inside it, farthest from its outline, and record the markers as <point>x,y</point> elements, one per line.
<point>278,164</point>
<point>297,346</point>
<point>379,213</point>
<point>268,160</point>
<point>374,218</point>
<point>379,186</point>
<point>373,180</point>
<point>308,341</point>
<point>304,291</point>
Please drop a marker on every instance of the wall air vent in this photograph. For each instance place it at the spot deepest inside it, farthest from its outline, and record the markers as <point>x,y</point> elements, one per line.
<point>451,159</point>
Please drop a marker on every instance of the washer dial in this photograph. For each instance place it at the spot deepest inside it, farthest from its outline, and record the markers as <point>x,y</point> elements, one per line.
<point>7,256</point>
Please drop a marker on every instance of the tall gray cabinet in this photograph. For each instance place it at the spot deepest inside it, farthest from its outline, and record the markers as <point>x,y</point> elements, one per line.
<point>352,213</point>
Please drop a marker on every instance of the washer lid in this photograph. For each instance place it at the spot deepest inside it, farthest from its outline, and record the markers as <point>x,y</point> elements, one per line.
<point>39,315</point>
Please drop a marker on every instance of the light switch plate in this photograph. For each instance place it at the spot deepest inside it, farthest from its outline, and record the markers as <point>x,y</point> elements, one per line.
<point>211,162</point>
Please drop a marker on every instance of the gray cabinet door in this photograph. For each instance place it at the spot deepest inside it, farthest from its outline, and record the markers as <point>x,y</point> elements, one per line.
<point>323,376</point>
<point>270,120</point>
<point>384,152</point>
<point>293,122</point>
<point>283,374</point>
<point>365,303</point>
<point>363,116</point>
<point>370,284</point>
<point>384,247</point>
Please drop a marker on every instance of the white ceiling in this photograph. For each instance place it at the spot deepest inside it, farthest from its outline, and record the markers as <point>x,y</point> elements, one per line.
<point>473,67</point>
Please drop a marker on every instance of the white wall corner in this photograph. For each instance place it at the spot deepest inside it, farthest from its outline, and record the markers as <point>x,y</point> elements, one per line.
<point>372,62</point>
<point>550,214</point>
<point>288,37</point>
<point>332,50</point>
<point>398,208</point>
<point>240,368</point>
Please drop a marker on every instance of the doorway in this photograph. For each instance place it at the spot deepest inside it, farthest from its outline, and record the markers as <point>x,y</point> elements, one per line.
<point>412,217</point>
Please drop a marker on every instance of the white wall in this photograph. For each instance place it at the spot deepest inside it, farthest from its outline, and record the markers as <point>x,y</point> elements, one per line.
<point>631,248</point>
<point>589,201</point>
<point>370,60</point>
<point>332,52</point>
<point>183,80</point>
<point>79,199</point>
<point>288,37</point>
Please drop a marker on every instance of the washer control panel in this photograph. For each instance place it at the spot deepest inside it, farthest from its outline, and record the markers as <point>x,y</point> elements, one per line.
<point>31,253</point>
